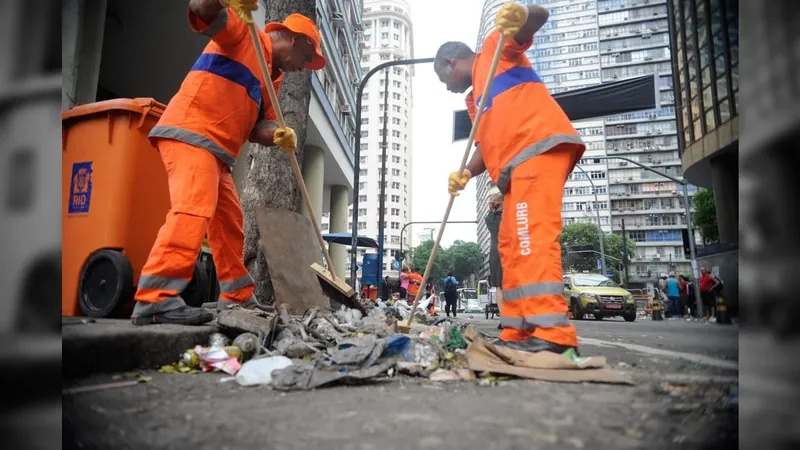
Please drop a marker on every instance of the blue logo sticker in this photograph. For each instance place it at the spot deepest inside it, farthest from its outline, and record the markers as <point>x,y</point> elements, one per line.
<point>80,189</point>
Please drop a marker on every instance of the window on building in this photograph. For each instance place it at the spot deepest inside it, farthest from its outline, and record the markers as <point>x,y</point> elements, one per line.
<point>385,57</point>
<point>362,198</point>
<point>396,172</point>
<point>395,146</point>
<point>395,159</point>
<point>363,159</point>
<point>396,199</point>
<point>395,133</point>
<point>395,225</point>
<point>395,185</point>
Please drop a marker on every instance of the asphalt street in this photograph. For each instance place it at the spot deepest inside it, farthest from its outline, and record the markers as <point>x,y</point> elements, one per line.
<point>686,396</point>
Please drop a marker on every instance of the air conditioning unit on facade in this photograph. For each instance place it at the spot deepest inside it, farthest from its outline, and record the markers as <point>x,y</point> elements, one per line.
<point>345,109</point>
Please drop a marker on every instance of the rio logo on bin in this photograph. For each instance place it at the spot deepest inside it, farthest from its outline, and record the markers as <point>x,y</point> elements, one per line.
<point>80,189</point>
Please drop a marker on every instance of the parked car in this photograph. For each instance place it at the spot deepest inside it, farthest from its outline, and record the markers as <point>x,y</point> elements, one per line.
<point>598,295</point>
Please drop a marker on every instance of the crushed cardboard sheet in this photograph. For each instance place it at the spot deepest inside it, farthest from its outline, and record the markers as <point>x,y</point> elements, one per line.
<point>546,366</point>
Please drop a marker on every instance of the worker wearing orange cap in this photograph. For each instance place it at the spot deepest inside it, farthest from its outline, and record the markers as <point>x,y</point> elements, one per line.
<point>528,145</point>
<point>221,104</point>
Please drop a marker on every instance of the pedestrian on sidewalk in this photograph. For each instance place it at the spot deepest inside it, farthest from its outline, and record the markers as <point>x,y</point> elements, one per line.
<point>387,289</point>
<point>404,282</point>
<point>683,287</point>
<point>529,147</point>
<point>674,296</point>
<point>450,287</point>
<point>221,104</point>
<point>708,284</point>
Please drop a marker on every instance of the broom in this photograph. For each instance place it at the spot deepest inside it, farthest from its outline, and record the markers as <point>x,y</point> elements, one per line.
<point>346,293</point>
<point>406,327</point>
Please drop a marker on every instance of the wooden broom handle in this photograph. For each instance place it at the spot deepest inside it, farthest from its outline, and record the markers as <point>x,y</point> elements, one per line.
<point>478,115</point>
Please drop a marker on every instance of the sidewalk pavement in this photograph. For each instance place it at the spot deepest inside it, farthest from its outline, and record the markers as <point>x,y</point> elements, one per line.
<point>95,346</point>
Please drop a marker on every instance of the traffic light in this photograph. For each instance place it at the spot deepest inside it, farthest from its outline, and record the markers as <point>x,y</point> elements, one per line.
<point>686,248</point>
<point>398,255</point>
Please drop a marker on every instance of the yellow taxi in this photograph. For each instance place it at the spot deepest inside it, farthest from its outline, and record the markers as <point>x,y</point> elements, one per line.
<point>597,295</point>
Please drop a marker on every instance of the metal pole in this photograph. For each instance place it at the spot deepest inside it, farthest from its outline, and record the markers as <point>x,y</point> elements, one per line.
<point>692,251</point>
<point>382,200</point>
<point>357,153</point>
<point>624,253</point>
<point>599,228</point>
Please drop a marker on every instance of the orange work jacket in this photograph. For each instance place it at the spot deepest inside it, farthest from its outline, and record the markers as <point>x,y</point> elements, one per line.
<point>520,119</point>
<point>414,282</point>
<point>223,98</point>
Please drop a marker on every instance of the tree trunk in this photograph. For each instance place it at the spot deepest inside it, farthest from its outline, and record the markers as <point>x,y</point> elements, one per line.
<point>270,181</point>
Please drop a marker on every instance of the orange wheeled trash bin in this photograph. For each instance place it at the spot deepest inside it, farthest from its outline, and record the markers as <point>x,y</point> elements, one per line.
<point>116,199</point>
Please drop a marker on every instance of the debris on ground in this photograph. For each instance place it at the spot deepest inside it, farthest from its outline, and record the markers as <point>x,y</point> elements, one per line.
<point>306,377</point>
<point>218,340</point>
<point>325,347</point>
<point>259,371</point>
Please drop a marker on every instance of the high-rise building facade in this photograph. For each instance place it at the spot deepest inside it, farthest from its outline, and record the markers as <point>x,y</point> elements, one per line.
<point>705,36</point>
<point>388,36</point>
<point>584,43</point>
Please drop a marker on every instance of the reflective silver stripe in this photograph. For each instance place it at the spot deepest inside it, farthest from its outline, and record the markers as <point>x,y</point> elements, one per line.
<point>165,283</point>
<point>192,138</point>
<point>265,123</point>
<point>148,309</point>
<point>512,322</point>
<point>529,152</point>
<point>533,290</point>
<point>227,287</point>
<point>539,321</point>
<point>217,24</point>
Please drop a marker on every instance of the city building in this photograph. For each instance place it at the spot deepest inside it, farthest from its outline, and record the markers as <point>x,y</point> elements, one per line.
<point>705,35</point>
<point>30,132</point>
<point>427,234</point>
<point>388,35</point>
<point>586,42</point>
<point>120,49</point>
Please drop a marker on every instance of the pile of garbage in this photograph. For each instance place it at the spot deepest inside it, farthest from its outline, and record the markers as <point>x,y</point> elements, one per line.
<point>328,347</point>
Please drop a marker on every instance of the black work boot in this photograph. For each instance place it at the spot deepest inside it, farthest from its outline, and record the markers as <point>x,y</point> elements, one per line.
<point>185,315</point>
<point>533,345</point>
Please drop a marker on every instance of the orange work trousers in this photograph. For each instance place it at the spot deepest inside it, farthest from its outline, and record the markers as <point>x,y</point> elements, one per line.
<point>530,254</point>
<point>203,202</point>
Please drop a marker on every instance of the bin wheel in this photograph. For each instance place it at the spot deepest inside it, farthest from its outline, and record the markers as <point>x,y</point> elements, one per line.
<point>106,284</point>
<point>196,293</point>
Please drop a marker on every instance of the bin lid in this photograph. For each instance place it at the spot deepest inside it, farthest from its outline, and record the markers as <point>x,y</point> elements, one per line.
<point>137,105</point>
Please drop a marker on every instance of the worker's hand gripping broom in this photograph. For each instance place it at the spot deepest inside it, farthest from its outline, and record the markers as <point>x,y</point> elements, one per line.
<point>405,327</point>
<point>338,284</point>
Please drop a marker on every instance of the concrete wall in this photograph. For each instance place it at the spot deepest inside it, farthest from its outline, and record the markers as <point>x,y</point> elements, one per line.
<point>728,264</point>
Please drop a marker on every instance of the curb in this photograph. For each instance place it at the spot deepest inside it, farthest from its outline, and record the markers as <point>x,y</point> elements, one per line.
<point>92,346</point>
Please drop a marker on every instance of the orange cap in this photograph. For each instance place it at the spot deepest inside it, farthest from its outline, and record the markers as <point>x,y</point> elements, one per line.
<point>300,24</point>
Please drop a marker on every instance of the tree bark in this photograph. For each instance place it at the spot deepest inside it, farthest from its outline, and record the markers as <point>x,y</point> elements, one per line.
<point>270,181</point>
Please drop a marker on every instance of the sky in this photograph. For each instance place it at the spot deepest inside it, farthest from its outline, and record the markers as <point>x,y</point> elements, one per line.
<point>434,155</point>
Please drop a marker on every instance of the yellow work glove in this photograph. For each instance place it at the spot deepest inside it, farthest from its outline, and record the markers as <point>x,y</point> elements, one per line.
<point>511,18</point>
<point>456,182</point>
<point>285,139</point>
<point>242,8</point>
